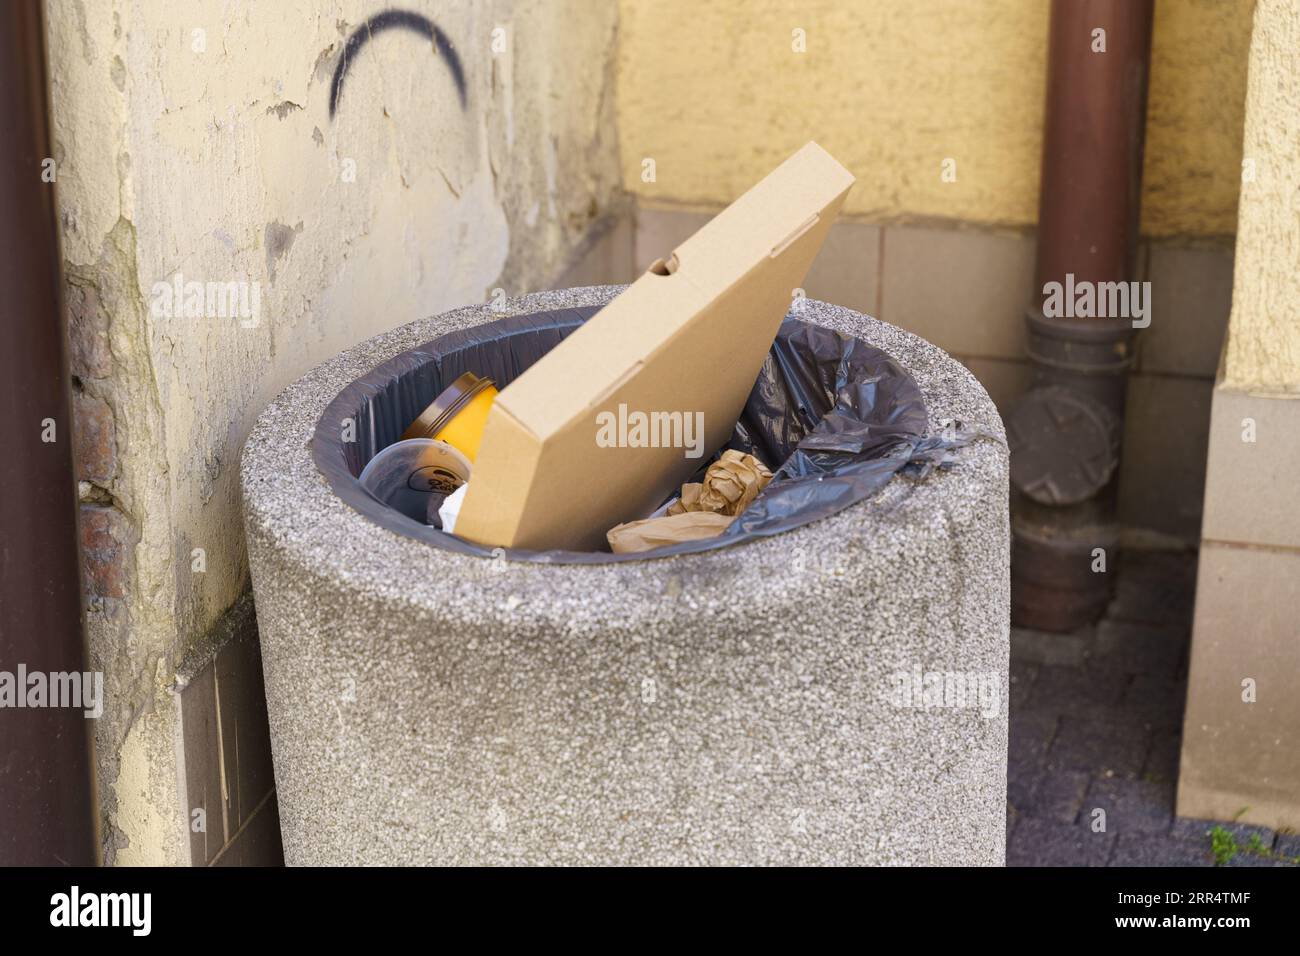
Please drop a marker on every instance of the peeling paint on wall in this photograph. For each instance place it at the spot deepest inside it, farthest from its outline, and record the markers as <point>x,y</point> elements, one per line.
<point>316,160</point>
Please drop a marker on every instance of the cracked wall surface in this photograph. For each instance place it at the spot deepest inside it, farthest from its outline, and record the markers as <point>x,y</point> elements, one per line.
<point>196,150</point>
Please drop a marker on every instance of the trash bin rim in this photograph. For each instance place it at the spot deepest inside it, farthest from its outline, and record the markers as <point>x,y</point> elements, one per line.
<point>895,413</point>
<point>291,510</point>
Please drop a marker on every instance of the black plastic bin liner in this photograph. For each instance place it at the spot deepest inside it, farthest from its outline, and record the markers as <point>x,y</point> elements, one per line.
<point>834,418</point>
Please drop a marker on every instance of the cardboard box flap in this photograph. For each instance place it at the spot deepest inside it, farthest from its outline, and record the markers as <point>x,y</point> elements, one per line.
<point>766,222</point>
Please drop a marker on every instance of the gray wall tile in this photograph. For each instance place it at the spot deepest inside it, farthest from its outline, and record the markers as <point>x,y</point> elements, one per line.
<point>1162,471</point>
<point>1004,380</point>
<point>1252,485</point>
<point>1238,754</point>
<point>660,231</point>
<point>607,260</point>
<point>847,270</point>
<point>965,291</point>
<point>1191,296</point>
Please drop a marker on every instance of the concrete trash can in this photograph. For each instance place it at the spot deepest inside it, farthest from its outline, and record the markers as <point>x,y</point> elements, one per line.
<point>834,694</point>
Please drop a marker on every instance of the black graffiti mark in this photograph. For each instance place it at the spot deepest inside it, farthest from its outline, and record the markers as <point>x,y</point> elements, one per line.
<point>397,20</point>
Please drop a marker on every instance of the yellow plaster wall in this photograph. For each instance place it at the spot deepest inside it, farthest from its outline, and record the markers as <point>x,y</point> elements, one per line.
<point>715,94</point>
<point>1263,353</point>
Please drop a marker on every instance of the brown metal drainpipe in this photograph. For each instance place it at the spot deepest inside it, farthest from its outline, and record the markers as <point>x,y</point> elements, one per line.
<point>46,809</point>
<point>1065,433</point>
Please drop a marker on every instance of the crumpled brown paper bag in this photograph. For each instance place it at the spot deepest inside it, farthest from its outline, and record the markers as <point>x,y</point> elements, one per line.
<point>730,484</point>
<point>667,529</point>
<point>703,510</point>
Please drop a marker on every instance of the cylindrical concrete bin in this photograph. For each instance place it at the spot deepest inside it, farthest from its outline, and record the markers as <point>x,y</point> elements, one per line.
<point>832,694</point>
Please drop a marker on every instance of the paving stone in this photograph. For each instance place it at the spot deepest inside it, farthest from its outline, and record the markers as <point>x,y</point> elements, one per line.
<point>1155,587</point>
<point>1189,829</point>
<point>1098,747</point>
<point>1022,680</point>
<point>1040,647</point>
<point>1287,846</point>
<point>1046,843</point>
<point>1155,702</point>
<point>1022,780</point>
<point>1078,692</point>
<point>1057,796</point>
<point>1161,765</point>
<point>1244,859</point>
<point>1107,705</point>
<point>1158,849</point>
<point>1127,648</point>
<point>1030,734</point>
<point>1271,851</point>
<point>1132,805</point>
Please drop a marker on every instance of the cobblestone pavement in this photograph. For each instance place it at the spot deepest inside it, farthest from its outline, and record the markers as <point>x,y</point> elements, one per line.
<point>1096,721</point>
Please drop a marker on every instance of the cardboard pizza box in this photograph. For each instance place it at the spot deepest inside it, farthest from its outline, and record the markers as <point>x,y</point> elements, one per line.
<point>612,420</point>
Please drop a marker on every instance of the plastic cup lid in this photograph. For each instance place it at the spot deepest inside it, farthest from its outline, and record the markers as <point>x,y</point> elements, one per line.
<point>447,405</point>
